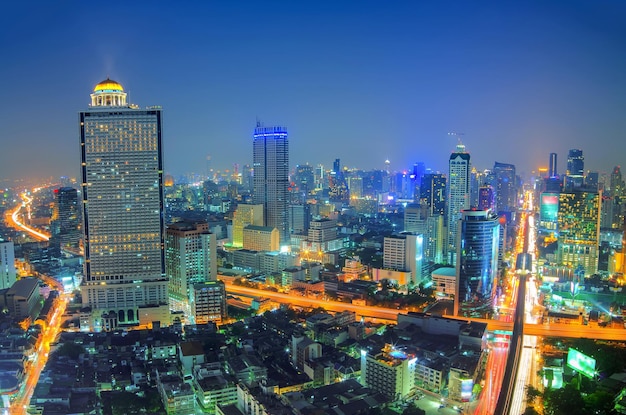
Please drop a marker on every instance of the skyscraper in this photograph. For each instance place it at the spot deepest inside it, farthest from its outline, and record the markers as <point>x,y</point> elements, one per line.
<point>190,258</point>
<point>575,162</point>
<point>575,169</point>
<point>552,171</point>
<point>579,230</point>
<point>458,194</point>
<point>271,177</point>
<point>433,193</point>
<point>477,263</point>
<point>123,210</point>
<point>65,218</point>
<point>505,187</point>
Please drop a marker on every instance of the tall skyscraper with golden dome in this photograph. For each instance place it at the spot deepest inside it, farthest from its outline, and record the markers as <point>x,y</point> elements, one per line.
<point>123,211</point>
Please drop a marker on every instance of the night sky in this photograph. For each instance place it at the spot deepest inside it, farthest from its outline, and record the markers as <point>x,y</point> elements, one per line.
<point>363,81</point>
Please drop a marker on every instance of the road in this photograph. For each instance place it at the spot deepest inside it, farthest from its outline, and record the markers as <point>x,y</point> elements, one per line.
<point>389,314</point>
<point>13,220</point>
<point>20,402</point>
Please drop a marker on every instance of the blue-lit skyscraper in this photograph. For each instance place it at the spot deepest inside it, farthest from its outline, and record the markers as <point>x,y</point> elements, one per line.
<point>271,177</point>
<point>477,263</point>
<point>505,187</point>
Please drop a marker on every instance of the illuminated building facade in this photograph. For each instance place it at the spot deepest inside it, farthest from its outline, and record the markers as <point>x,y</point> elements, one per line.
<point>123,210</point>
<point>8,273</point>
<point>548,213</point>
<point>271,177</point>
<point>433,193</point>
<point>458,194</point>
<point>390,372</point>
<point>486,198</point>
<point>579,231</point>
<point>261,238</point>
<point>245,215</point>
<point>575,169</point>
<point>477,263</point>
<point>190,259</point>
<point>405,252</point>
<point>505,187</point>
<point>209,302</point>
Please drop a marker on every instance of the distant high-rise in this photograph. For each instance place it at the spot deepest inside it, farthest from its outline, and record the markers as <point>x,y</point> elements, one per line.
<point>574,178</point>
<point>271,177</point>
<point>458,194</point>
<point>190,259</point>
<point>486,198</point>
<point>552,170</point>
<point>505,187</point>
<point>123,211</point>
<point>8,273</point>
<point>579,230</point>
<point>616,183</point>
<point>65,218</point>
<point>433,193</point>
<point>477,263</point>
<point>575,163</point>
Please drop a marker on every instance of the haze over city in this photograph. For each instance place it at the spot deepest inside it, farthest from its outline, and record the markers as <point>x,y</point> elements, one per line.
<point>360,81</point>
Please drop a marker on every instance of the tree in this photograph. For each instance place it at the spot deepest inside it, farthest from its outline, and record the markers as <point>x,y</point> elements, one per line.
<point>599,402</point>
<point>565,401</point>
<point>413,410</point>
<point>532,393</point>
<point>531,411</point>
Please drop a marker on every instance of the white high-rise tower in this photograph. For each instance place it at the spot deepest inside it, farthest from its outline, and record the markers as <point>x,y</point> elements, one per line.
<point>458,194</point>
<point>122,189</point>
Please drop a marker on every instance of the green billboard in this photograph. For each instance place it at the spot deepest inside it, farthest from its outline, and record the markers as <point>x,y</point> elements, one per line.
<point>581,363</point>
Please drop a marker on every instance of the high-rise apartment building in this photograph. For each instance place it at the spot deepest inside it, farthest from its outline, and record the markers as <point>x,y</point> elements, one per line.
<point>271,177</point>
<point>123,210</point>
<point>579,230</point>
<point>8,273</point>
<point>477,263</point>
<point>458,194</point>
<point>190,259</point>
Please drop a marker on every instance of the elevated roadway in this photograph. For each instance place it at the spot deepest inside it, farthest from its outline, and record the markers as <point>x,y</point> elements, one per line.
<point>390,314</point>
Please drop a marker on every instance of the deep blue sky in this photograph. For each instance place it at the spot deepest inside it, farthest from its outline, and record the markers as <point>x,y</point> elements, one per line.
<point>358,80</point>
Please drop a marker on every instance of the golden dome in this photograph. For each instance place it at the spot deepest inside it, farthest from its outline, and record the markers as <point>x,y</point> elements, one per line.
<point>108,85</point>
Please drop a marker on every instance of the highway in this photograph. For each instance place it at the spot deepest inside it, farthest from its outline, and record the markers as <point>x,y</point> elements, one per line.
<point>13,220</point>
<point>389,314</point>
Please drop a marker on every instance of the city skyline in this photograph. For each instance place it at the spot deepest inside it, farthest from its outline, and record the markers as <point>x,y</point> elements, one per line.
<point>518,81</point>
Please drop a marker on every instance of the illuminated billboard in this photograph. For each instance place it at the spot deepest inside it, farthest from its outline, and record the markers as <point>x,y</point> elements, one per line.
<point>549,211</point>
<point>581,363</point>
<point>466,389</point>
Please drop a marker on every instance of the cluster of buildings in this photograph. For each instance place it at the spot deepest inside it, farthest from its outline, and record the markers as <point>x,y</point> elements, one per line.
<point>275,363</point>
<point>143,261</point>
